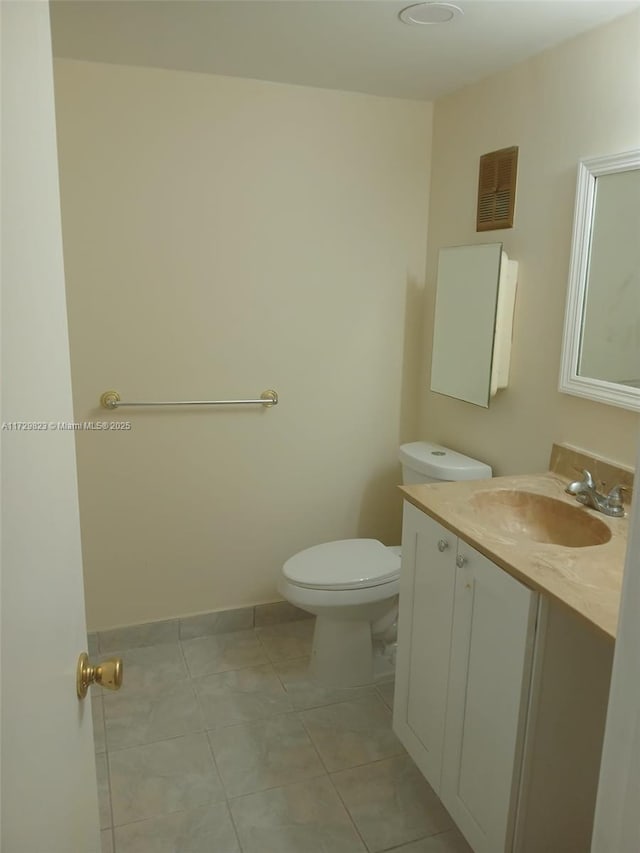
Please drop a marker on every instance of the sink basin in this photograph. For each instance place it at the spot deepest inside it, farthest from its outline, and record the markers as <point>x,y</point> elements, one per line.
<point>538,518</point>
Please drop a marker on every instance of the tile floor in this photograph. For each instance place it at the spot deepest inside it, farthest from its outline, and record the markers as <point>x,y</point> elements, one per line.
<point>219,744</point>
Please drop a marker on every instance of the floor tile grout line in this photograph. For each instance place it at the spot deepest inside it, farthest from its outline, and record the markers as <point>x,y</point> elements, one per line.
<point>268,665</point>
<point>162,690</point>
<point>163,814</point>
<point>258,634</point>
<point>379,692</point>
<point>414,841</point>
<point>217,729</point>
<point>146,691</point>
<point>218,771</point>
<point>350,816</point>
<point>279,677</point>
<point>224,789</point>
<point>367,689</point>
<point>229,800</point>
<point>402,844</point>
<point>123,649</point>
<point>330,703</point>
<point>156,742</point>
<point>290,785</point>
<point>108,767</point>
<point>367,763</point>
<point>108,763</point>
<point>234,797</point>
<point>263,629</point>
<point>100,698</point>
<point>267,716</point>
<point>313,743</point>
<point>183,810</point>
<point>401,751</point>
<point>291,712</point>
<point>184,658</point>
<point>222,671</point>
<point>234,825</point>
<point>371,763</point>
<point>262,719</point>
<point>196,699</point>
<point>233,669</point>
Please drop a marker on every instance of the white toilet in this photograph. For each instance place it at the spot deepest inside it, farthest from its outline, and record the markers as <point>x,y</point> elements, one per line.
<point>352,585</point>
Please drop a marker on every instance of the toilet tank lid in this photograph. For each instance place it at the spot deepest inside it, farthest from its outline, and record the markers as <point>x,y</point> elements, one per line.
<point>440,463</point>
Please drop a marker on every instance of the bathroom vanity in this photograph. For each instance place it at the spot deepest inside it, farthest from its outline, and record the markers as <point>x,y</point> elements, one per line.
<point>509,595</point>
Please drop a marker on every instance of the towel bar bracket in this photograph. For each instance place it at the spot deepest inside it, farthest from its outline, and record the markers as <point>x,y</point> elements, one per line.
<point>110,400</point>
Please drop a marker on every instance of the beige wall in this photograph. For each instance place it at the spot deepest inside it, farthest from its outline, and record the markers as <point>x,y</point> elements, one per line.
<point>578,100</point>
<point>224,236</point>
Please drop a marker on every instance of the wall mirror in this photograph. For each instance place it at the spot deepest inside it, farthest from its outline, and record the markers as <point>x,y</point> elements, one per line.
<point>601,346</point>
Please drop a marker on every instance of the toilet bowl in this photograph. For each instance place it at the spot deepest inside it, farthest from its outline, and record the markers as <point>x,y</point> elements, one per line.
<point>352,585</point>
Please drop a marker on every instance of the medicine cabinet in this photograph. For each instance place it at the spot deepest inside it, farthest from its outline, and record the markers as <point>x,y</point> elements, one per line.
<point>475,298</point>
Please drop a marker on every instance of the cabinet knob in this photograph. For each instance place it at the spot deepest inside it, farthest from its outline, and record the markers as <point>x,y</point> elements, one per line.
<point>442,545</point>
<point>460,561</point>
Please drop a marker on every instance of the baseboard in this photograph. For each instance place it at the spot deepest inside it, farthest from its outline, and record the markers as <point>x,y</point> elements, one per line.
<point>190,627</point>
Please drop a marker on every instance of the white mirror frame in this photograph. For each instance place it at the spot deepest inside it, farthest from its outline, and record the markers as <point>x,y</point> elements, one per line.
<point>570,381</point>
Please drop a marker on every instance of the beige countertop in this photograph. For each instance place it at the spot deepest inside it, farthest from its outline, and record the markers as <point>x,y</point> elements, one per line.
<point>588,580</point>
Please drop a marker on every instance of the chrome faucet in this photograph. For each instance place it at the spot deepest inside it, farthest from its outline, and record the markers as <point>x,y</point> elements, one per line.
<point>586,493</point>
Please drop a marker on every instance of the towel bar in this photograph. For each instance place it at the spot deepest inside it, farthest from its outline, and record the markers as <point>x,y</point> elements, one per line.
<point>111,400</point>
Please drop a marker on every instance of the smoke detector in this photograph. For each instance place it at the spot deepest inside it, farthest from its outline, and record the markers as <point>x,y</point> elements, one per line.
<point>429,13</point>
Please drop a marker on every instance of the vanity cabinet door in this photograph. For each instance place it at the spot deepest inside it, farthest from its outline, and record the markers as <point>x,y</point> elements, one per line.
<point>490,673</point>
<point>427,582</point>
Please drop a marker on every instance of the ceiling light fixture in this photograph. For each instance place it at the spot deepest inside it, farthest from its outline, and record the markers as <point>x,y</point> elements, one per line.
<point>429,13</point>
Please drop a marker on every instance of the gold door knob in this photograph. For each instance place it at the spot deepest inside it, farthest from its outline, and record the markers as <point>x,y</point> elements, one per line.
<point>106,674</point>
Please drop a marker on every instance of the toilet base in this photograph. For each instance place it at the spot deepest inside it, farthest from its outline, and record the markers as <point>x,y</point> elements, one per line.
<point>342,654</point>
<point>346,619</point>
<point>384,661</point>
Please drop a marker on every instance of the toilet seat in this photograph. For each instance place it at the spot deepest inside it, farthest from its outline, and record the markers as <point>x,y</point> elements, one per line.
<point>345,564</point>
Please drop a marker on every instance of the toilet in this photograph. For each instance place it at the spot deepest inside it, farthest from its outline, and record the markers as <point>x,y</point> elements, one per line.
<point>352,585</point>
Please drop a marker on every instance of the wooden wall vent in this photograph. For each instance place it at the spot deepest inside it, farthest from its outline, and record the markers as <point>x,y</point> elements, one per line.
<point>497,189</point>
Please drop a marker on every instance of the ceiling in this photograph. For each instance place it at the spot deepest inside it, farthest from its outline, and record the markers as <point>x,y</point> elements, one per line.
<point>355,45</point>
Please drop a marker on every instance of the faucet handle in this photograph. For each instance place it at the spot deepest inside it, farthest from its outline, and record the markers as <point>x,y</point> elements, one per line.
<point>580,487</point>
<point>588,479</point>
<point>614,498</point>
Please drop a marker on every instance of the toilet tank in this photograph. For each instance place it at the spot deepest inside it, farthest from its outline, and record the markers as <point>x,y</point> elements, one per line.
<point>423,462</point>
